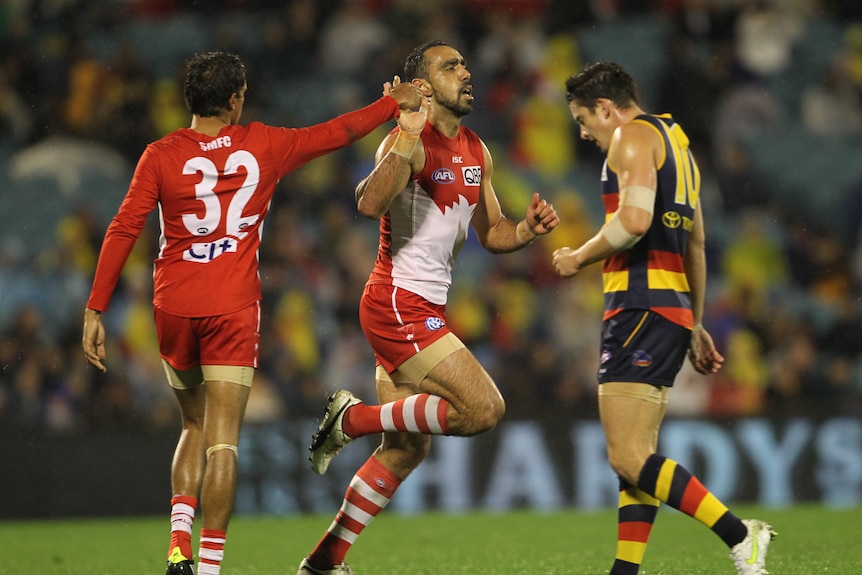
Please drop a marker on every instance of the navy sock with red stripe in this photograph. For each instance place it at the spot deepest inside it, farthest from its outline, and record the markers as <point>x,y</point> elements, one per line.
<point>670,482</point>
<point>637,513</point>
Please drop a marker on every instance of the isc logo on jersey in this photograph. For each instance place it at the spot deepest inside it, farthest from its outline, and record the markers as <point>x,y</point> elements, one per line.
<point>434,323</point>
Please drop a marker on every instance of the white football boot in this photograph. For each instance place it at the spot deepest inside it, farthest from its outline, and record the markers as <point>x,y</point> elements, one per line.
<point>749,555</point>
<point>330,436</point>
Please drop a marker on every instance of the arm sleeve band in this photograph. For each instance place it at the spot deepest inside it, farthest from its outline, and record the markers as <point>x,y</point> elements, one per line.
<point>404,144</point>
<point>525,235</point>
<point>638,197</point>
<point>617,235</point>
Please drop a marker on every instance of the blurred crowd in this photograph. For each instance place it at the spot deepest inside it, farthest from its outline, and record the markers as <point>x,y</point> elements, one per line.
<point>86,85</point>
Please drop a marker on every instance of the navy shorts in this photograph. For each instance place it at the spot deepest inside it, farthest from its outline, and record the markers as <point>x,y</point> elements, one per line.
<point>642,347</point>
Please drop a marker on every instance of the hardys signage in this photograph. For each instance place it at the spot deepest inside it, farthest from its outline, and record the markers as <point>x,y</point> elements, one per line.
<point>548,465</point>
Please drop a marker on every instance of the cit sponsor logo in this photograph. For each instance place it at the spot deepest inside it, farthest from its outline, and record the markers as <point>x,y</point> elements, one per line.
<point>640,358</point>
<point>443,176</point>
<point>434,323</point>
<point>472,175</point>
<point>205,252</point>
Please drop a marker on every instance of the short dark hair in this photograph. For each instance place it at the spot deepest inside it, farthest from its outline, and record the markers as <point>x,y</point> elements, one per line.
<point>415,65</point>
<point>602,80</point>
<point>211,79</point>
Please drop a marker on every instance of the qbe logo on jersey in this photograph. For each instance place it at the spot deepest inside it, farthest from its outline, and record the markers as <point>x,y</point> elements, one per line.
<point>472,175</point>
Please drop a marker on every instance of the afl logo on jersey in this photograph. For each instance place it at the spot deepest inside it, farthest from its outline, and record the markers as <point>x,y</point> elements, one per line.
<point>434,323</point>
<point>443,176</point>
<point>671,220</point>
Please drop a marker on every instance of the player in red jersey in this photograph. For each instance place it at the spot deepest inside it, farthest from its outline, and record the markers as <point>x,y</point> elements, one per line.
<point>654,275</point>
<point>431,183</point>
<point>212,183</point>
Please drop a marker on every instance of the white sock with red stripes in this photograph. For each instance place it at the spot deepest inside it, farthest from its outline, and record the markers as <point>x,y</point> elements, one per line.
<point>420,413</point>
<point>368,493</point>
<point>211,551</point>
<point>182,520</point>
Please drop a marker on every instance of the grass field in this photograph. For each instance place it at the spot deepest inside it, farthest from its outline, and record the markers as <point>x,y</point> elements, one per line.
<point>812,540</point>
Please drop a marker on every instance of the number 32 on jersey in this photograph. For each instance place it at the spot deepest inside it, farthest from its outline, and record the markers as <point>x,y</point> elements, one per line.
<point>235,223</point>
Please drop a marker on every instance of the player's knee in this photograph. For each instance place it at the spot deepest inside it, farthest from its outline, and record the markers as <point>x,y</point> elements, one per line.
<point>486,418</point>
<point>222,447</point>
<point>625,465</point>
<point>496,411</point>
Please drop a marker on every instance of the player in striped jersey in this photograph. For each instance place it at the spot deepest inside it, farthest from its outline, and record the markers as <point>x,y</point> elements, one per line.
<point>654,276</point>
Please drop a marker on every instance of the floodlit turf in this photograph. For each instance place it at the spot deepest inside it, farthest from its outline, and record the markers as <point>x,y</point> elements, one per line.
<point>812,540</point>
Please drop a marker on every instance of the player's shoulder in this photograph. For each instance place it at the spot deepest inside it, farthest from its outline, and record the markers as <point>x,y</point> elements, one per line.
<point>642,131</point>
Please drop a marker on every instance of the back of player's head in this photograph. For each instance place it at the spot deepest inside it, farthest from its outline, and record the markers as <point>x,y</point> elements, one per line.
<point>211,79</point>
<point>602,80</point>
<point>415,65</point>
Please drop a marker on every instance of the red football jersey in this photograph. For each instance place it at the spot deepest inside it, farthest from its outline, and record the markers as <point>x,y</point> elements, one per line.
<point>213,194</point>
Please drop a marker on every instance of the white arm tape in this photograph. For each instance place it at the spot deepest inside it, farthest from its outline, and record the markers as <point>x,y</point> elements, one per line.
<point>617,235</point>
<point>639,197</point>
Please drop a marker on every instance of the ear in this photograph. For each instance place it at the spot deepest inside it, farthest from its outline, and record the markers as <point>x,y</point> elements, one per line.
<point>231,103</point>
<point>603,108</point>
<point>423,85</point>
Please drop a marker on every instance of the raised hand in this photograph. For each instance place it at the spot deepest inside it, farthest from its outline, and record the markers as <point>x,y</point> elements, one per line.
<point>406,94</point>
<point>541,216</point>
<point>413,121</point>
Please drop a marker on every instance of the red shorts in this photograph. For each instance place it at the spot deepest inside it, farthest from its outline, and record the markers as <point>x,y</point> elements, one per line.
<point>398,323</point>
<point>232,339</point>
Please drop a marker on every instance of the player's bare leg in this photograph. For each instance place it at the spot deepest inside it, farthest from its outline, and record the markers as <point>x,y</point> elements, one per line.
<point>631,446</point>
<point>225,409</point>
<point>475,403</point>
<point>456,397</point>
<point>631,426</point>
<point>187,468</point>
<point>371,488</point>
<point>187,472</point>
<point>400,453</point>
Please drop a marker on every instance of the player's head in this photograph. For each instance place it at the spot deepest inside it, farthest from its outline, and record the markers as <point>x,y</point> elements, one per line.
<point>415,66</point>
<point>440,71</point>
<point>211,79</point>
<point>597,95</point>
<point>602,80</point>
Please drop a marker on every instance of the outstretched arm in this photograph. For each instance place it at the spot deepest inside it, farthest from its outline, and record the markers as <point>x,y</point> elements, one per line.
<point>320,139</point>
<point>495,231</point>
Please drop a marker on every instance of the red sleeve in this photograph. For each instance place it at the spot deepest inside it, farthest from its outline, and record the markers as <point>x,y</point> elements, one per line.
<point>318,140</point>
<point>124,230</point>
